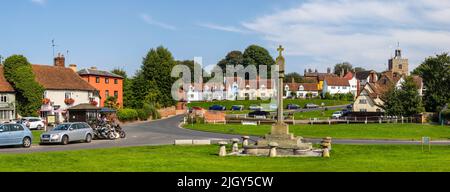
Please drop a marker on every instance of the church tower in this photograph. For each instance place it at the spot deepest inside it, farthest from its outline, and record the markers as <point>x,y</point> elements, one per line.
<point>398,64</point>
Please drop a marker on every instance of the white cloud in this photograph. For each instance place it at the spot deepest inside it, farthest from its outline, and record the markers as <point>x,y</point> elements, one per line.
<point>222,28</point>
<point>364,33</point>
<point>149,20</point>
<point>39,2</point>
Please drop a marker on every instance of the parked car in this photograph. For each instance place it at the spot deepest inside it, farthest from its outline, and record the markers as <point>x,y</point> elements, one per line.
<point>311,106</point>
<point>15,134</point>
<point>350,107</point>
<point>217,108</point>
<point>68,132</point>
<point>259,114</point>
<point>33,122</point>
<point>345,112</point>
<point>255,108</point>
<point>293,107</point>
<point>337,114</point>
<point>237,107</point>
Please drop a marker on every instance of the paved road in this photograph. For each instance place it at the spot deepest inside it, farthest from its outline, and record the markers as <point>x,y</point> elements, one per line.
<point>165,132</point>
<point>162,132</point>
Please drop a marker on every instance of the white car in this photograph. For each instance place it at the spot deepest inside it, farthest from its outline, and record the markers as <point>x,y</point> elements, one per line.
<point>337,114</point>
<point>33,123</point>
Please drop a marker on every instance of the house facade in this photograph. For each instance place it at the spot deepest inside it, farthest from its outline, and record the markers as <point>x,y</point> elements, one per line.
<point>336,85</point>
<point>63,89</point>
<point>107,83</point>
<point>301,90</point>
<point>7,99</point>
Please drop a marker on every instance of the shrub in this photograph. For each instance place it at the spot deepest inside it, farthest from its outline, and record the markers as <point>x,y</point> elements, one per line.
<point>152,111</point>
<point>142,114</point>
<point>127,115</point>
<point>446,114</point>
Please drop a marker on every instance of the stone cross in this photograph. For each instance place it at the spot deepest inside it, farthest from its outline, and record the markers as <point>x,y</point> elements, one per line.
<point>280,62</point>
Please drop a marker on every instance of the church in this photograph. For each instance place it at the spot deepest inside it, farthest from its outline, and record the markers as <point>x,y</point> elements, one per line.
<point>370,97</point>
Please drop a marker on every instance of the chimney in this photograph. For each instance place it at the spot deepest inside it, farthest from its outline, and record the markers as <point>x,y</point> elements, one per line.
<point>329,70</point>
<point>342,72</point>
<point>60,61</point>
<point>93,68</point>
<point>73,67</point>
<point>293,80</point>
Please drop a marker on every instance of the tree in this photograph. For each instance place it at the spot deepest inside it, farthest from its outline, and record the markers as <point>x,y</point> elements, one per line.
<point>435,72</point>
<point>157,67</point>
<point>359,69</point>
<point>29,93</point>
<point>403,101</point>
<point>120,72</point>
<point>233,58</point>
<point>192,65</point>
<point>257,55</point>
<point>111,102</point>
<point>342,67</point>
<point>297,78</point>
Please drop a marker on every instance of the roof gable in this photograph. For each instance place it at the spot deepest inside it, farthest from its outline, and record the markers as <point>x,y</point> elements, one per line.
<point>60,78</point>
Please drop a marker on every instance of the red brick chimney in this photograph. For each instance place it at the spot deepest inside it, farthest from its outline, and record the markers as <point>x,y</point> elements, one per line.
<point>60,61</point>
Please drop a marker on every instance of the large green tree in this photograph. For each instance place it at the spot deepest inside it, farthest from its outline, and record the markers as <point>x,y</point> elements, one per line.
<point>257,55</point>
<point>233,58</point>
<point>19,73</point>
<point>342,67</point>
<point>296,76</point>
<point>155,76</point>
<point>435,72</point>
<point>403,101</point>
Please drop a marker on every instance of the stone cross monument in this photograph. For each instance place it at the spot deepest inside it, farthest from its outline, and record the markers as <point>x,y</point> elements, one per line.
<point>280,130</point>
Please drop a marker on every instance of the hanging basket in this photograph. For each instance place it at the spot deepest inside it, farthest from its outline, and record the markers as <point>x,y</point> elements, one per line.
<point>46,101</point>
<point>69,101</point>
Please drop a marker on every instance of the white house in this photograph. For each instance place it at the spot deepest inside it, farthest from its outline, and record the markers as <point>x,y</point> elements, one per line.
<point>7,99</point>
<point>354,84</point>
<point>301,90</point>
<point>64,88</point>
<point>336,85</point>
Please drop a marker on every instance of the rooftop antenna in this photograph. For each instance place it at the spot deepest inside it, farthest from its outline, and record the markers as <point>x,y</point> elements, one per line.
<point>67,56</point>
<point>53,46</point>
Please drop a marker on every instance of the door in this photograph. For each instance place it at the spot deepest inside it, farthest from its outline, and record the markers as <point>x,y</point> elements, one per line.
<point>6,135</point>
<point>76,132</point>
<point>16,134</point>
<point>2,135</point>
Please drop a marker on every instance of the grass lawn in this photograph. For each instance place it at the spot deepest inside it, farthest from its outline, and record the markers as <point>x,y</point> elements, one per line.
<point>344,158</point>
<point>314,114</point>
<point>247,103</point>
<point>36,136</point>
<point>341,131</point>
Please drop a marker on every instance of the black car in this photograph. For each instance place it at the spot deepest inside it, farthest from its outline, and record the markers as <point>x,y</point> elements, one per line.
<point>293,106</point>
<point>259,114</point>
<point>217,108</point>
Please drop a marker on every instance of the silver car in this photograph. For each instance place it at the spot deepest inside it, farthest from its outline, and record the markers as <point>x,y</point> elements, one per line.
<point>68,132</point>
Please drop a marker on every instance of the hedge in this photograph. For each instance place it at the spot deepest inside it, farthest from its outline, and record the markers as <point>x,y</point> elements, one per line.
<point>127,114</point>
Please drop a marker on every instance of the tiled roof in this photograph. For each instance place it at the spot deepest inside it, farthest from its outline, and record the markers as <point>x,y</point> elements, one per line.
<point>98,73</point>
<point>306,86</point>
<point>60,78</point>
<point>360,75</point>
<point>337,81</point>
<point>4,85</point>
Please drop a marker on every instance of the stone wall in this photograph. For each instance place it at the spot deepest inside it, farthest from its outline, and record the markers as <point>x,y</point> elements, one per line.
<point>167,112</point>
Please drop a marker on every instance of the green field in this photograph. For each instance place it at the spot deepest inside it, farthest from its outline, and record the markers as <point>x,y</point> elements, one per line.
<point>314,114</point>
<point>341,131</point>
<point>344,158</point>
<point>247,103</point>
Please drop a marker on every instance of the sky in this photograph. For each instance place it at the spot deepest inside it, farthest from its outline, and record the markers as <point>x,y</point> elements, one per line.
<point>316,34</point>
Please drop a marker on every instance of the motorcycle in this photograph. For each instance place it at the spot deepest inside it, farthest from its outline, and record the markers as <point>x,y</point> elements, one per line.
<point>105,130</point>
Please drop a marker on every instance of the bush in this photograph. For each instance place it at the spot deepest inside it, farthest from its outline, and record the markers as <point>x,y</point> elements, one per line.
<point>142,114</point>
<point>127,114</point>
<point>152,111</point>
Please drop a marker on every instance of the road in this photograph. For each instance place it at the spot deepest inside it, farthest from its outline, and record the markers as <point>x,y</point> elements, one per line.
<point>165,132</point>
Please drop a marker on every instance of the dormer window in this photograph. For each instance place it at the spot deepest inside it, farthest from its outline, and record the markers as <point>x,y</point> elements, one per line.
<point>301,88</point>
<point>286,88</point>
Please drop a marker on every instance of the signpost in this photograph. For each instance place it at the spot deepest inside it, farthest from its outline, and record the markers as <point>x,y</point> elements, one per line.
<point>426,141</point>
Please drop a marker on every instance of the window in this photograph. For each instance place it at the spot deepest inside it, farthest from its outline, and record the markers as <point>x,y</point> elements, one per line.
<point>97,79</point>
<point>106,93</point>
<point>116,94</point>
<point>363,101</point>
<point>363,110</point>
<point>107,80</point>
<point>116,81</point>
<point>400,66</point>
<point>68,95</point>
<point>3,99</point>
<point>333,87</point>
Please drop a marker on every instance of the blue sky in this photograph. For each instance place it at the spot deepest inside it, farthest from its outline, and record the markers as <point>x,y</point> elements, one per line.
<point>316,34</point>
